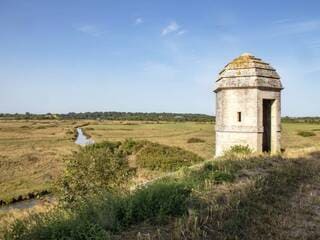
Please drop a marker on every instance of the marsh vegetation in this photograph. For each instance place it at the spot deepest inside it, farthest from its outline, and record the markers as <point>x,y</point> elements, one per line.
<point>148,180</point>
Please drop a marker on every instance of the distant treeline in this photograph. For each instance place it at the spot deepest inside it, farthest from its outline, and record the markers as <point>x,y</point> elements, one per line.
<point>139,116</point>
<point>126,116</point>
<point>301,119</point>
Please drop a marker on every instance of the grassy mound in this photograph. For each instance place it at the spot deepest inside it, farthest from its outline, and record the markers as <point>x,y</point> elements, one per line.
<point>155,156</point>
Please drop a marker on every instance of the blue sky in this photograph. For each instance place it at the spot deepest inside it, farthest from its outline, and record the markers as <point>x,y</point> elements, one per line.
<point>151,56</point>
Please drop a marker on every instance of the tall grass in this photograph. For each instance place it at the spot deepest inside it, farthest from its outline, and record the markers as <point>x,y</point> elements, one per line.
<point>104,214</point>
<point>250,212</point>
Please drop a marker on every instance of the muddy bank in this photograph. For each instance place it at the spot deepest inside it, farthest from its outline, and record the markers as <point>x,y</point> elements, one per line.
<point>27,204</point>
<point>21,198</point>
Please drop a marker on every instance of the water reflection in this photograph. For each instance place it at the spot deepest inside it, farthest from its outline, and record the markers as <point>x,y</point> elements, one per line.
<point>26,204</point>
<point>82,139</point>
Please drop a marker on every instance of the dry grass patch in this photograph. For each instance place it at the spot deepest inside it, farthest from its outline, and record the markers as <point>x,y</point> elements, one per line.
<point>32,154</point>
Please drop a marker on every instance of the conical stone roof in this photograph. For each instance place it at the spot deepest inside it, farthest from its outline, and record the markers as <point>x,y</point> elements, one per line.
<point>247,71</point>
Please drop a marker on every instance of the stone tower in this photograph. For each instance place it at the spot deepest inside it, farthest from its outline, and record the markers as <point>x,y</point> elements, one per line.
<point>248,106</point>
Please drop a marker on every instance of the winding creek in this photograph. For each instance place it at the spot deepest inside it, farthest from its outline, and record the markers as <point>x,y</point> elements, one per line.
<point>81,140</point>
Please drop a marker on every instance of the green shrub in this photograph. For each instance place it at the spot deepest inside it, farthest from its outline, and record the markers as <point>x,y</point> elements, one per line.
<point>195,140</point>
<point>156,201</point>
<point>211,172</point>
<point>306,134</point>
<point>95,168</point>
<point>130,146</point>
<point>55,225</point>
<point>238,150</point>
<point>155,156</point>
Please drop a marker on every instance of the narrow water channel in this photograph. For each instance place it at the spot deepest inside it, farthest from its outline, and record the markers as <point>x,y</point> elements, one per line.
<point>27,204</point>
<point>82,139</point>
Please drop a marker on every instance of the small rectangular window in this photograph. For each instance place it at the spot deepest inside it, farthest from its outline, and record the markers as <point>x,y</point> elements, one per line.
<point>239,117</point>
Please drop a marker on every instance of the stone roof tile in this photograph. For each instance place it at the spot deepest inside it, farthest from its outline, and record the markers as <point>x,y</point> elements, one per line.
<point>248,71</point>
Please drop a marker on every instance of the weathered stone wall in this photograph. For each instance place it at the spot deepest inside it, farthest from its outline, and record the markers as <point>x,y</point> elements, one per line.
<point>225,140</point>
<point>229,130</point>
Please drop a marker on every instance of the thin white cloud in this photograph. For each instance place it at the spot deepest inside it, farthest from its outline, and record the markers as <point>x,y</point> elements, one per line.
<point>138,21</point>
<point>89,29</point>
<point>171,28</point>
<point>181,32</point>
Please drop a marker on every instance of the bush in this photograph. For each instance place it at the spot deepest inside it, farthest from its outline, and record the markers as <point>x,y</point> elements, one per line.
<point>195,140</point>
<point>130,146</point>
<point>238,150</point>
<point>55,225</point>
<point>155,156</point>
<point>211,172</point>
<point>306,134</point>
<point>156,202</point>
<point>95,168</point>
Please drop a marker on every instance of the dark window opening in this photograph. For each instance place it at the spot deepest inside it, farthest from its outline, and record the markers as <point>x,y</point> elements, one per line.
<point>239,116</point>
